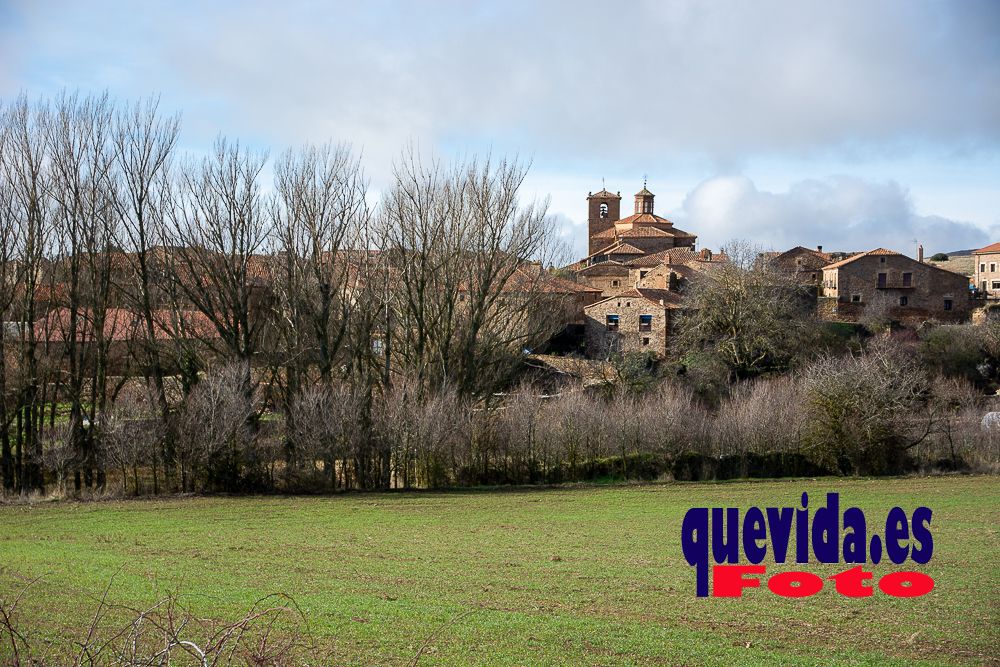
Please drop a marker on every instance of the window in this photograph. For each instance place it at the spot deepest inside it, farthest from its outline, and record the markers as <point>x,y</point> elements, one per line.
<point>907,279</point>
<point>903,300</point>
<point>614,283</point>
<point>612,321</point>
<point>604,210</point>
<point>642,274</point>
<point>947,304</point>
<point>993,267</point>
<point>982,268</point>
<point>995,283</point>
<point>882,259</point>
<point>855,298</point>
<point>645,323</point>
<point>645,341</point>
<point>882,279</point>
<point>628,304</point>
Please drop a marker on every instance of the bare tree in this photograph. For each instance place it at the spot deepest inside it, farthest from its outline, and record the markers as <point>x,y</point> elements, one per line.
<point>143,144</point>
<point>11,247</point>
<point>215,439</point>
<point>467,257</point>
<point>60,452</point>
<point>25,175</point>
<point>326,430</point>
<point>744,312</point>
<point>130,433</point>
<point>861,408</point>
<point>77,134</point>
<point>219,227</point>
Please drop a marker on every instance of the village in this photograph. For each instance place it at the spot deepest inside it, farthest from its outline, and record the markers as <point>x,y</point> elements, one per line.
<point>499,333</point>
<point>625,296</point>
<point>639,265</point>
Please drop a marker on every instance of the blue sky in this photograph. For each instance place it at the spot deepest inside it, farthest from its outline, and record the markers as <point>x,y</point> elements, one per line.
<point>847,124</point>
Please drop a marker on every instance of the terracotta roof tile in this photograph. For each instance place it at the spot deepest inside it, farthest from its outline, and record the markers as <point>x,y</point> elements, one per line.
<point>654,296</point>
<point>993,247</point>
<point>876,251</point>
<point>618,248</point>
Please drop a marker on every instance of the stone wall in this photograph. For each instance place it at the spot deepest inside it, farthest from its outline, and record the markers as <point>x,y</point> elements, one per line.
<point>854,290</point>
<point>628,338</point>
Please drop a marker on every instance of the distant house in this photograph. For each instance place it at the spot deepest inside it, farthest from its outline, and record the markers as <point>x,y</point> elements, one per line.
<point>987,270</point>
<point>122,333</point>
<point>885,282</point>
<point>636,320</point>
<point>803,265</point>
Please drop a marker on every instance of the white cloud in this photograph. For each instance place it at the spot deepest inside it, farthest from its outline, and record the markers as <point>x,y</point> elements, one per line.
<point>840,213</point>
<point>590,83</point>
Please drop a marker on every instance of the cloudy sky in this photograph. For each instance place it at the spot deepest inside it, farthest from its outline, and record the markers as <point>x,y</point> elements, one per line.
<point>847,124</point>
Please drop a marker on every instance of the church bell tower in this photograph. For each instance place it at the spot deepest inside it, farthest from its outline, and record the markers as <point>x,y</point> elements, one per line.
<point>604,209</point>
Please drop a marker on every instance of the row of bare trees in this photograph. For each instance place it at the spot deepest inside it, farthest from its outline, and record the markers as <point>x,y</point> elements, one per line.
<point>124,262</point>
<point>871,412</point>
<point>182,323</point>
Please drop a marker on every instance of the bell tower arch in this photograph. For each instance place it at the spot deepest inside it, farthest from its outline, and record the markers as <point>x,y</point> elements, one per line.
<point>603,210</point>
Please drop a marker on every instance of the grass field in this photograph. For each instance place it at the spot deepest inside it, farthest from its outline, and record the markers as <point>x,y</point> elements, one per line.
<point>571,576</point>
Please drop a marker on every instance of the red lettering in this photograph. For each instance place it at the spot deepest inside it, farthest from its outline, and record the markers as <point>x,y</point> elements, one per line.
<point>781,584</point>
<point>850,583</point>
<point>892,584</point>
<point>728,581</point>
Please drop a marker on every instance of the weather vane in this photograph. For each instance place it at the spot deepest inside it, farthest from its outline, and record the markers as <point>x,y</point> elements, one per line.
<point>644,181</point>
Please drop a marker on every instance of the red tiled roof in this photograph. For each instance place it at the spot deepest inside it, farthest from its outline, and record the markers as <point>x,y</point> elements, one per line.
<point>645,219</point>
<point>876,251</point>
<point>618,248</point>
<point>638,232</point>
<point>625,249</point>
<point>121,324</point>
<point>993,247</point>
<point>607,264</point>
<point>655,296</point>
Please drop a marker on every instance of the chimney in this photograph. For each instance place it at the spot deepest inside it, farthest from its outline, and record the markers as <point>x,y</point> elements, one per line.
<point>706,254</point>
<point>920,253</point>
<point>819,248</point>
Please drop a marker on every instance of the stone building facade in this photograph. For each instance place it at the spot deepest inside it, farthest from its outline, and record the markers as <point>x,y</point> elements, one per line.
<point>803,265</point>
<point>636,320</point>
<point>885,282</point>
<point>987,270</point>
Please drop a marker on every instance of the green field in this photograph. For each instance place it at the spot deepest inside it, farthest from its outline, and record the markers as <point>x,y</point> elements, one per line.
<point>574,576</point>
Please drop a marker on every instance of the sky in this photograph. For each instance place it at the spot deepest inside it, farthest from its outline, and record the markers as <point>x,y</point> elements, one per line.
<point>845,124</point>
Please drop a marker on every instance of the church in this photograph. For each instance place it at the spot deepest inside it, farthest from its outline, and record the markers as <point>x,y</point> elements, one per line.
<point>640,263</point>
<point>643,231</point>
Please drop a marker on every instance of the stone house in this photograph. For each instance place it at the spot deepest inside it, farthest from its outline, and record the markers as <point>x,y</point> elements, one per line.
<point>803,265</point>
<point>987,270</point>
<point>636,320</point>
<point>885,282</point>
<point>609,277</point>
